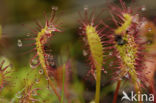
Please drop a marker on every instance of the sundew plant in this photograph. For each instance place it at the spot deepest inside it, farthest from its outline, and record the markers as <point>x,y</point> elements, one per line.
<point>85,51</point>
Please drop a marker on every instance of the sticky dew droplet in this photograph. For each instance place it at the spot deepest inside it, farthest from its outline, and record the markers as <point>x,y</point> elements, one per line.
<point>18,95</point>
<point>19,43</point>
<point>41,71</point>
<point>143,8</point>
<point>84,53</point>
<point>34,63</point>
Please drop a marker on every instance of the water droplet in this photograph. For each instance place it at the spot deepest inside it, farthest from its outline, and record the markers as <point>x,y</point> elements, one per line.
<point>47,78</point>
<point>34,63</point>
<point>120,78</point>
<point>92,101</point>
<point>127,76</point>
<point>149,29</point>
<point>86,7</point>
<point>54,8</point>
<point>41,71</point>
<point>135,19</point>
<point>50,58</point>
<point>84,39</point>
<point>19,43</point>
<point>28,34</point>
<point>18,95</point>
<point>47,87</point>
<point>85,53</point>
<point>80,28</point>
<point>34,93</point>
<point>129,55</point>
<point>37,81</point>
<point>92,24</point>
<point>143,9</point>
<point>110,53</point>
<point>111,63</point>
<point>83,32</point>
<point>118,72</point>
<point>105,72</point>
<point>118,56</point>
<point>137,15</point>
<point>138,80</point>
<point>52,63</point>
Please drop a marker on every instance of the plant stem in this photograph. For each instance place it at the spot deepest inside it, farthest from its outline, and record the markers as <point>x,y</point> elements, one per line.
<point>136,83</point>
<point>54,89</point>
<point>116,92</point>
<point>98,84</point>
<point>63,80</point>
<point>52,85</point>
<point>137,88</point>
<point>0,31</point>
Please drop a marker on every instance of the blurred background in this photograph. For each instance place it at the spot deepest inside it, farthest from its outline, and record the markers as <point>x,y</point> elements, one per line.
<point>15,13</point>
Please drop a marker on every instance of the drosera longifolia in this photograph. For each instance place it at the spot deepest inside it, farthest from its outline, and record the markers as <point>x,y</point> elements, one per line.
<point>126,46</point>
<point>92,39</point>
<point>40,36</point>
